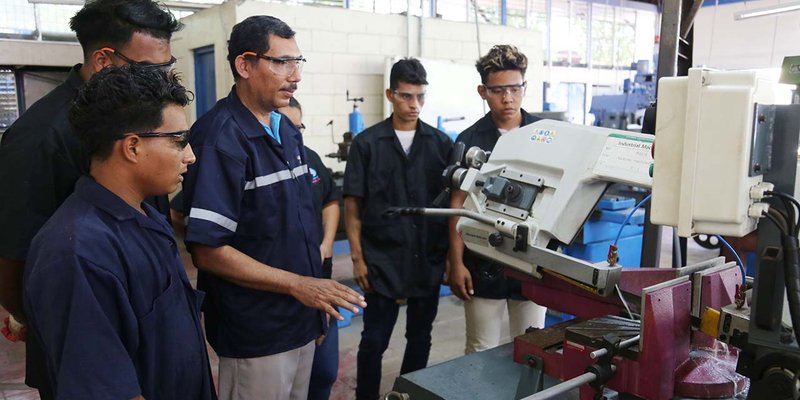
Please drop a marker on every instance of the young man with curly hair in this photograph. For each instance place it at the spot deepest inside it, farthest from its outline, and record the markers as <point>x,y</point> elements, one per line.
<point>105,290</point>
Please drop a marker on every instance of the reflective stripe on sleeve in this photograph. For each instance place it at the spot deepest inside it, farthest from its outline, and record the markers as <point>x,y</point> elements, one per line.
<point>211,216</point>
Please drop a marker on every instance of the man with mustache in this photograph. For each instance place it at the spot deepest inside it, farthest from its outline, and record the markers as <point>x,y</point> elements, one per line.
<point>252,229</point>
<point>396,162</point>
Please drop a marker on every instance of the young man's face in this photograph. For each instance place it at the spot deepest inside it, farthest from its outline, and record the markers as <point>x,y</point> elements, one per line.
<point>275,82</point>
<point>503,93</point>
<point>407,101</point>
<point>164,159</point>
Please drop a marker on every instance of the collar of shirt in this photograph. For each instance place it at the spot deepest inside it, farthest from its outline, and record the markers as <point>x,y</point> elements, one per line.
<point>487,123</point>
<point>273,130</point>
<point>251,127</point>
<point>388,131</point>
<point>94,193</point>
<point>74,77</point>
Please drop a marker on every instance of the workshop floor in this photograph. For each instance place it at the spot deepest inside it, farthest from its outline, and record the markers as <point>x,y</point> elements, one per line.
<point>448,338</point>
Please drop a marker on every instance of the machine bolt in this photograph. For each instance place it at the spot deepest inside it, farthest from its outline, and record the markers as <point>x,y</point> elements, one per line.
<point>762,118</point>
<point>495,239</point>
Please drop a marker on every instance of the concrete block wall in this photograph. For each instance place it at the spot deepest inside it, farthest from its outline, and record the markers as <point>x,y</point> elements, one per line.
<point>347,50</point>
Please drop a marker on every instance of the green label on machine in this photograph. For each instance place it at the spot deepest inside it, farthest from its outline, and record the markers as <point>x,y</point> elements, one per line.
<point>629,137</point>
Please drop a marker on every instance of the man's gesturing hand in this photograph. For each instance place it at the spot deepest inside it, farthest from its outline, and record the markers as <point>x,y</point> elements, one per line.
<point>325,294</point>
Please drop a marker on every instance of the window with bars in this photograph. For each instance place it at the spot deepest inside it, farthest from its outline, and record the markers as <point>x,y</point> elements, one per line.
<point>516,11</point>
<point>17,19</point>
<point>488,11</point>
<point>602,36</point>
<point>625,37</point>
<point>9,106</point>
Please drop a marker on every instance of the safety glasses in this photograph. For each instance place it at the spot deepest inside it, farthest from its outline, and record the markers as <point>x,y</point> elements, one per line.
<point>166,67</point>
<point>283,66</point>
<point>182,136</point>
<point>502,90</point>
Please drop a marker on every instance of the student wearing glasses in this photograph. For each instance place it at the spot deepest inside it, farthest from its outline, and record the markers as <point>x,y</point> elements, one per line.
<point>40,156</point>
<point>326,209</point>
<point>252,229</point>
<point>105,290</point>
<point>397,162</point>
<point>478,281</point>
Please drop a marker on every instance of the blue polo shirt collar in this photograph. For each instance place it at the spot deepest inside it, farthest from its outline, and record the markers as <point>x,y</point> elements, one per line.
<point>274,127</point>
<point>250,125</point>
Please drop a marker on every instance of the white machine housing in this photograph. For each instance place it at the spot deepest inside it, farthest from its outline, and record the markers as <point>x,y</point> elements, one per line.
<point>704,130</point>
<point>573,165</point>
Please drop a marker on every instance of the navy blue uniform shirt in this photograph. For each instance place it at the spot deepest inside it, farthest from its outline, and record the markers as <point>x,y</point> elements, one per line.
<point>253,194</point>
<point>40,161</point>
<point>488,280</point>
<point>405,256</point>
<point>109,300</point>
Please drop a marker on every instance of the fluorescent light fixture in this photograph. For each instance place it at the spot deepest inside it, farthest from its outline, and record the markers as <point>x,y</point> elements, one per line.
<point>771,10</point>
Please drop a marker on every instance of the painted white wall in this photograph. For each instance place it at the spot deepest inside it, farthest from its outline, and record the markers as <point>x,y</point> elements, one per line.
<point>762,42</point>
<point>347,50</point>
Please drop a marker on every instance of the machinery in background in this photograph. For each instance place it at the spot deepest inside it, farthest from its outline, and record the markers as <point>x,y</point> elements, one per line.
<point>719,142</point>
<point>625,111</point>
<point>356,125</point>
<point>440,121</point>
<point>602,227</point>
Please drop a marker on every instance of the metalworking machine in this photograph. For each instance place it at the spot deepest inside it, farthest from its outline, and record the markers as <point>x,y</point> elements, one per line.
<point>722,154</point>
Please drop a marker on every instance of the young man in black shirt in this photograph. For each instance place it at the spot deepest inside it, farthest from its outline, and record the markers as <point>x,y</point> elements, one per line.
<point>477,281</point>
<point>397,162</point>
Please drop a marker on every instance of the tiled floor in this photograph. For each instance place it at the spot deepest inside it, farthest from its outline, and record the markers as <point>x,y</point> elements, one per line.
<point>448,339</point>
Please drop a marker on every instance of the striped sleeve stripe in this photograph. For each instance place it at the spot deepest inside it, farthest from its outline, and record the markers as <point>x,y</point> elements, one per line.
<point>275,177</point>
<point>211,216</point>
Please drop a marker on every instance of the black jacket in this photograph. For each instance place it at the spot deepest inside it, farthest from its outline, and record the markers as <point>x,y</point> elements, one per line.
<point>405,257</point>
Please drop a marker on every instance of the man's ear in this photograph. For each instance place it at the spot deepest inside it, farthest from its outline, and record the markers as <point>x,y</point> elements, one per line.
<point>99,59</point>
<point>390,95</point>
<point>129,148</point>
<point>482,91</point>
<point>243,66</point>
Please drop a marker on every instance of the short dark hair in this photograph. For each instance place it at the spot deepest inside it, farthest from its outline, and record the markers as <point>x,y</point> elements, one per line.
<point>408,70</point>
<point>293,103</point>
<point>112,23</point>
<point>503,57</point>
<point>252,34</point>
<point>119,100</point>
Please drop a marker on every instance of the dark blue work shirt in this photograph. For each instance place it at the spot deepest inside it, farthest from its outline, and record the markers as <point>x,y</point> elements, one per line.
<point>109,300</point>
<point>488,279</point>
<point>252,193</point>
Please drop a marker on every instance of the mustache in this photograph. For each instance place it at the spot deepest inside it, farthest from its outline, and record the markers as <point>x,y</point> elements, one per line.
<point>291,86</point>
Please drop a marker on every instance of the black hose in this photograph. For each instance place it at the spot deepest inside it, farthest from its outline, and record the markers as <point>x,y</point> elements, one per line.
<point>792,275</point>
<point>786,200</point>
<point>778,219</point>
